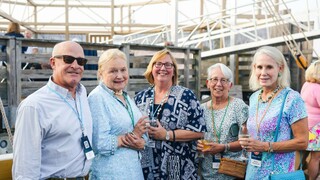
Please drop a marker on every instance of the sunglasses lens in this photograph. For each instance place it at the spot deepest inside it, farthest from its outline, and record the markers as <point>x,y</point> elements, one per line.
<point>68,59</point>
<point>81,61</point>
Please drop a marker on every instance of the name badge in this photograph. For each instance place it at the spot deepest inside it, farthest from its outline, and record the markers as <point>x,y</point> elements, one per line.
<point>216,161</point>
<point>256,158</point>
<point>88,152</point>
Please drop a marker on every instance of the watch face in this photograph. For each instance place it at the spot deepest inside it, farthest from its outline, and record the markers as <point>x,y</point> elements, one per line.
<point>167,136</point>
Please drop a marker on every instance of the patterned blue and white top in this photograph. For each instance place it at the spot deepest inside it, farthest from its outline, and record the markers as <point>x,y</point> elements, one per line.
<point>111,119</point>
<point>181,111</point>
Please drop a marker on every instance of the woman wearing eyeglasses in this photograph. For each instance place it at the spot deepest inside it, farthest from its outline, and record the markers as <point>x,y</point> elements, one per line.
<point>224,115</point>
<point>179,121</point>
<point>118,125</point>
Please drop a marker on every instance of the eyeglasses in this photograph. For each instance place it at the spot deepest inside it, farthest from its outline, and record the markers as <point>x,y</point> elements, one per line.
<point>216,80</point>
<point>69,59</point>
<point>167,65</point>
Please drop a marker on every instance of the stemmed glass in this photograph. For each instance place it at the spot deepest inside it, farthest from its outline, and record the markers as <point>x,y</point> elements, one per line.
<point>243,133</point>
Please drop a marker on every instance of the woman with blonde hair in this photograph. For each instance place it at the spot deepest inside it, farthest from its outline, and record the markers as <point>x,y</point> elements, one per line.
<point>310,94</point>
<point>270,78</point>
<point>179,122</point>
<point>118,124</point>
<point>14,31</point>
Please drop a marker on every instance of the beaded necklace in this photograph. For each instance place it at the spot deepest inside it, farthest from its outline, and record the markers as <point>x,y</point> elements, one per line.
<point>158,109</point>
<point>258,123</point>
<point>269,97</point>
<point>118,93</point>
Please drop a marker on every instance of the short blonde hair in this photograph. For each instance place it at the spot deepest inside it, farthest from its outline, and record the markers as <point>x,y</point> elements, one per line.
<point>106,57</point>
<point>313,72</point>
<point>159,55</point>
<point>13,27</point>
<point>284,79</point>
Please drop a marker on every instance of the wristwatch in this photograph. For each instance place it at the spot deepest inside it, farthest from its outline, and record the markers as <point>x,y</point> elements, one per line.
<point>167,136</point>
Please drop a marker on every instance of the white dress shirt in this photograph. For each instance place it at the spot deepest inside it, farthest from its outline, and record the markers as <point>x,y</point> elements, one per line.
<point>47,134</point>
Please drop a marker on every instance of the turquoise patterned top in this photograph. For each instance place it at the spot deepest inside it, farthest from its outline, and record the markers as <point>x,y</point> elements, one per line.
<point>111,119</point>
<point>236,115</point>
<point>294,110</point>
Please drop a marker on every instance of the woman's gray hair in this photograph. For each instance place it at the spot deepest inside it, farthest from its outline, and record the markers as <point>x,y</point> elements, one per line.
<point>224,69</point>
<point>283,78</point>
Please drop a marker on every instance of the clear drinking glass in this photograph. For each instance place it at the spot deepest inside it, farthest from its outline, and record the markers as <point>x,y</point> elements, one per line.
<point>151,142</point>
<point>206,138</point>
<point>243,133</point>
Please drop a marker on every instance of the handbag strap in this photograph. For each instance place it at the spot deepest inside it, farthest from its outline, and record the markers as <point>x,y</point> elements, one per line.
<point>278,126</point>
<point>277,131</point>
<point>280,117</point>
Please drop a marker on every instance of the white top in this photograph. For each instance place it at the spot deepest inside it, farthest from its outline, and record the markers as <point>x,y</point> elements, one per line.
<point>47,134</point>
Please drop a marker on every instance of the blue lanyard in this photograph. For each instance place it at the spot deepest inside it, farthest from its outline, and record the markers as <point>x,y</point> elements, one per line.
<point>74,110</point>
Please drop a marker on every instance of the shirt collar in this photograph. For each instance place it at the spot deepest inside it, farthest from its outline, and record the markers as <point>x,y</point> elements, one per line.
<point>61,90</point>
<point>110,91</point>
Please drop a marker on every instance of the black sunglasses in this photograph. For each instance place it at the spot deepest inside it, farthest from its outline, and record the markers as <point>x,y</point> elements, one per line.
<point>69,59</point>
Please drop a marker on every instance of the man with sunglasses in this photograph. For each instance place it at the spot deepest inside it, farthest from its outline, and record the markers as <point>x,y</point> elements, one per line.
<point>53,129</point>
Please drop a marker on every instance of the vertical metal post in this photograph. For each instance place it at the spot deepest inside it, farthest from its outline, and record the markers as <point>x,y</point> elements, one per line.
<point>174,22</point>
<point>12,88</point>
<point>125,48</point>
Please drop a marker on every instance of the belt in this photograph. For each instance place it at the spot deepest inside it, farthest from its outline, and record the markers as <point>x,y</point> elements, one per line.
<point>76,178</point>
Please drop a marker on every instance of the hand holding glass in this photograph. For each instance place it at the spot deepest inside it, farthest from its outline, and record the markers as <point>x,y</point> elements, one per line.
<point>204,141</point>
<point>243,133</point>
<point>151,142</point>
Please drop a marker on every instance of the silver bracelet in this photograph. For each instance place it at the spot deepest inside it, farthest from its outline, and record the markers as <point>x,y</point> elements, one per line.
<point>226,147</point>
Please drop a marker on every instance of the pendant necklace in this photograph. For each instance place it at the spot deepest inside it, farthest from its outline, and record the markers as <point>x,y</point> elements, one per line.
<point>158,109</point>
<point>258,123</point>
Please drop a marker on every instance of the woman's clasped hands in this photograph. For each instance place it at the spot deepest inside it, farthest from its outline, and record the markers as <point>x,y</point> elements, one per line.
<point>157,132</point>
<point>134,139</point>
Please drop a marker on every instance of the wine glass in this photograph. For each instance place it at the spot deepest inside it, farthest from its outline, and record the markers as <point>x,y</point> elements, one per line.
<point>243,133</point>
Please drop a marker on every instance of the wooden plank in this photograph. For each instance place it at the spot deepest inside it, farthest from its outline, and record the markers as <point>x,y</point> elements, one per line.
<point>3,56</point>
<point>29,80</point>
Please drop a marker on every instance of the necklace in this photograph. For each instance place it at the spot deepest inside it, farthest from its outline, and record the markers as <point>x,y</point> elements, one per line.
<point>269,97</point>
<point>258,123</point>
<point>217,133</point>
<point>120,93</point>
<point>151,104</point>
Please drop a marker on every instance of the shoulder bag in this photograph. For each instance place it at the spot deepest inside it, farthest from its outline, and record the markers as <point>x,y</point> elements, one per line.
<point>232,167</point>
<point>296,175</point>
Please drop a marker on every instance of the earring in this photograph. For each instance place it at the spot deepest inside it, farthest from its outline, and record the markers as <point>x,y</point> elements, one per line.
<point>279,75</point>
